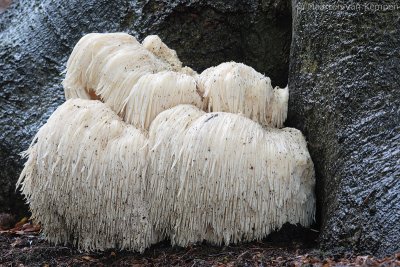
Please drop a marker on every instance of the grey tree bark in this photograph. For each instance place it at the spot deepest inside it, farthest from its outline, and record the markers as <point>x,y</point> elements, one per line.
<point>344,80</point>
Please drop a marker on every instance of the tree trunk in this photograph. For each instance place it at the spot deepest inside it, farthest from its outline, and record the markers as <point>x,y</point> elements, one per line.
<point>344,81</point>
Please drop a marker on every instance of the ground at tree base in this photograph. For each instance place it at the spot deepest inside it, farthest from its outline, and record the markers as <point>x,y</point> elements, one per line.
<point>24,246</point>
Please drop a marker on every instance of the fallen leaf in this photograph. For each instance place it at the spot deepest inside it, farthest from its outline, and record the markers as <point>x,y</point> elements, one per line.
<point>21,222</point>
<point>32,228</point>
<point>88,258</point>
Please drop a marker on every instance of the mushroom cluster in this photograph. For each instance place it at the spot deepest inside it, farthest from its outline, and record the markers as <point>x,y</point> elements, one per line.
<point>145,149</point>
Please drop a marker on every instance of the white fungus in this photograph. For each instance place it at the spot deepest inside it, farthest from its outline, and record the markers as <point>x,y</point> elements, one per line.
<point>147,162</point>
<point>154,93</point>
<point>229,179</point>
<point>107,66</point>
<point>154,44</point>
<point>237,88</point>
<point>84,179</point>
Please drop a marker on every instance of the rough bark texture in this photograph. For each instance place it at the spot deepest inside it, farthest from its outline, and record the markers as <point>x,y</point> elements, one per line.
<point>344,81</point>
<point>36,38</point>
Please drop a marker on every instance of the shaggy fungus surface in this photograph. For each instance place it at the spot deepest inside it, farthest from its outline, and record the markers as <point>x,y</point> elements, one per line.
<point>145,149</point>
<point>154,93</point>
<point>84,179</point>
<point>237,88</point>
<point>226,175</point>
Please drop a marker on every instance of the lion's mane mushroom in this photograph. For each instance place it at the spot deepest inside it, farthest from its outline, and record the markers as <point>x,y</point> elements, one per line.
<point>231,180</point>
<point>107,66</point>
<point>133,157</point>
<point>154,93</point>
<point>84,179</point>
<point>237,88</point>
